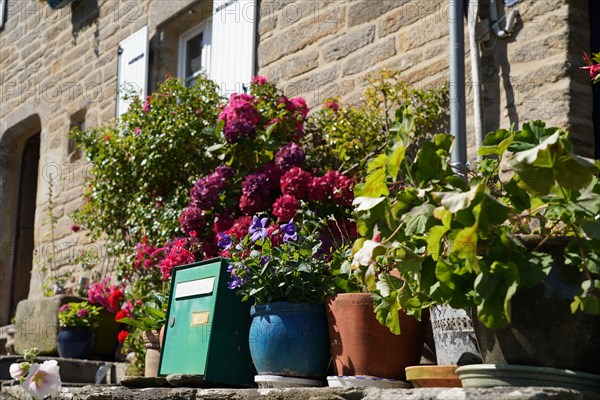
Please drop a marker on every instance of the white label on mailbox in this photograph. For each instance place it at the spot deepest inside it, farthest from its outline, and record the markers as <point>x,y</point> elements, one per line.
<point>194,288</point>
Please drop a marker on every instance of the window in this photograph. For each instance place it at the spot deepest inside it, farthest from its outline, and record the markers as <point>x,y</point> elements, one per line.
<point>194,53</point>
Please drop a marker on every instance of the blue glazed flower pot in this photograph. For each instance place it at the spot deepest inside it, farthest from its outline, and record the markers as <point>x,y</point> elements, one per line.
<point>56,4</point>
<point>290,339</point>
<point>75,342</point>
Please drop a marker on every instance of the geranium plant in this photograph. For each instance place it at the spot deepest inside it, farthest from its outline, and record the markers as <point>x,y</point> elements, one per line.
<point>288,262</point>
<point>593,66</point>
<point>459,241</point>
<point>78,314</point>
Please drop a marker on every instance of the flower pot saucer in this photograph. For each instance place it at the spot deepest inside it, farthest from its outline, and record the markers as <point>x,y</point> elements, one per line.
<point>490,375</point>
<point>433,376</point>
<point>277,381</point>
<point>366,381</point>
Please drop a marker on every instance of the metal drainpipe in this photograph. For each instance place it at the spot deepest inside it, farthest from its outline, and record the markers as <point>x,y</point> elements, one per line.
<point>457,86</point>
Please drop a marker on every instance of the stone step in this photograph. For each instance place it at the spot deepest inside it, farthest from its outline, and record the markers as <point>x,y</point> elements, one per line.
<point>106,392</point>
<point>74,371</point>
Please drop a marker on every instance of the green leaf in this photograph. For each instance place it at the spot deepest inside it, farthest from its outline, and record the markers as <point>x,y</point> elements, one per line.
<point>456,201</point>
<point>434,237</point>
<point>495,288</point>
<point>539,155</point>
<point>464,246</point>
<point>378,162</point>
<point>573,174</point>
<point>395,160</point>
<point>417,220</point>
<point>536,179</point>
<point>591,229</point>
<point>496,143</point>
<point>366,203</point>
<point>386,312</point>
<point>375,185</point>
<point>535,269</point>
<point>533,134</point>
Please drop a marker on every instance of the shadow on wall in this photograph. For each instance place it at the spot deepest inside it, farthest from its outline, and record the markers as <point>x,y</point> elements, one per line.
<point>85,13</point>
<point>496,79</point>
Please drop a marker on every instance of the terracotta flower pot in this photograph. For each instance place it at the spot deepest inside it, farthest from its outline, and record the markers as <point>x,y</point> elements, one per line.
<point>360,345</point>
<point>152,345</point>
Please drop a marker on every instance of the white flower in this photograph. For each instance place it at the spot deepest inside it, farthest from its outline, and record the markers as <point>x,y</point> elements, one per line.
<point>43,380</point>
<point>18,371</point>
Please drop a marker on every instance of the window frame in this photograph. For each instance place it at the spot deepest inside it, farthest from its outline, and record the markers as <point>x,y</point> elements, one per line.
<point>206,29</point>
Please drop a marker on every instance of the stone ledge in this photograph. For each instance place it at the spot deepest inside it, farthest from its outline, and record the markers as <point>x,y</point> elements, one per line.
<point>15,392</point>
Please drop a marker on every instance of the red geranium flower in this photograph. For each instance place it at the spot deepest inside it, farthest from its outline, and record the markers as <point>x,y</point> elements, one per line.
<point>122,336</point>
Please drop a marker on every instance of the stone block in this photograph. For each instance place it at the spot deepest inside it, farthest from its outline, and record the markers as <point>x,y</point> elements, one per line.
<point>369,10</point>
<point>293,66</point>
<point>370,56</point>
<point>36,323</point>
<point>349,43</point>
<point>297,37</point>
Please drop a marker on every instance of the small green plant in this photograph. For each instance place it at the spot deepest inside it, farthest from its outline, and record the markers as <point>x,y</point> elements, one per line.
<point>79,314</point>
<point>149,317</point>
<point>346,137</point>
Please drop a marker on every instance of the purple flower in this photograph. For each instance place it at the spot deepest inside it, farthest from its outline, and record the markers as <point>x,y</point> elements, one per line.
<point>264,260</point>
<point>258,229</point>
<point>291,155</point>
<point>206,191</point>
<point>224,241</point>
<point>289,230</point>
<point>236,281</point>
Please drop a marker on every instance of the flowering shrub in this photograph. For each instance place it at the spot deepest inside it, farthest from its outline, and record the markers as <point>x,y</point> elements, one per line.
<point>106,295</point>
<point>81,314</point>
<point>287,262</point>
<point>39,380</point>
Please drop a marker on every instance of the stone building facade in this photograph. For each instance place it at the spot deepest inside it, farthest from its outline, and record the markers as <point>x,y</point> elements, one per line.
<point>59,68</point>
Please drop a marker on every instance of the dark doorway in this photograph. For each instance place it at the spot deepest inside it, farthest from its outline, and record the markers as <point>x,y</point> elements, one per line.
<point>23,253</point>
<point>595,48</point>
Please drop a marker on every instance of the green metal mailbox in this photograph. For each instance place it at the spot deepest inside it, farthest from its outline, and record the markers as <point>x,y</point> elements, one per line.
<point>207,327</point>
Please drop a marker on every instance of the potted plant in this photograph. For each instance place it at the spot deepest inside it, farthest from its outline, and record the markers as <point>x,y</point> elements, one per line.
<point>77,321</point>
<point>360,345</point>
<point>466,241</point>
<point>150,323</point>
<point>285,271</point>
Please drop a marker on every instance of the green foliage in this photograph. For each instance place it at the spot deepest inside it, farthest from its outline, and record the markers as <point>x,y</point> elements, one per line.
<point>79,314</point>
<point>143,165</point>
<point>464,244</point>
<point>150,316</point>
<point>345,138</point>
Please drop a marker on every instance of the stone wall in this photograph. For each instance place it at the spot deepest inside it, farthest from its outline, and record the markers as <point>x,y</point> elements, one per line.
<point>58,69</point>
<point>319,48</point>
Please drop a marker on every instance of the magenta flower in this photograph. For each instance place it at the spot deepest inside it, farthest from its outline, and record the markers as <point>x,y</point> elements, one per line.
<point>258,80</point>
<point>285,207</point>
<point>295,182</point>
<point>240,117</point>
<point>291,155</point>
<point>146,105</point>
<point>83,313</point>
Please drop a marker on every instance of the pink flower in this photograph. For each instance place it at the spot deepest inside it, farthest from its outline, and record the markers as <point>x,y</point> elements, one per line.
<point>298,104</point>
<point>290,155</point>
<point>137,130</point>
<point>83,313</point>
<point>285,207</point>
<point>146,105</point>
<point>594,70</point>
<point>178,255</point>
<point>75,228</point>
<point>240,227</point>
<point>43,380</point>
<point>332,105</point>
<point>240,117</point>
<point>258,80</point>
<point>64,308</point>
<point>18,370</point>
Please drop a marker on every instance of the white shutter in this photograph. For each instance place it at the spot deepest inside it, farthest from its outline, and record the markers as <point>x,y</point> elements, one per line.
<point>233,44</point>
<point>133,66</point>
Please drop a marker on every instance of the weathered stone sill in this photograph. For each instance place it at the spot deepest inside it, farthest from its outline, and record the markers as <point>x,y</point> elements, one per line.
<point>15,392</point>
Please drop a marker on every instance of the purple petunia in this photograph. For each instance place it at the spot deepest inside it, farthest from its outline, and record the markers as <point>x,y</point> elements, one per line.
<point>290,231</point>
<point>258,229</point>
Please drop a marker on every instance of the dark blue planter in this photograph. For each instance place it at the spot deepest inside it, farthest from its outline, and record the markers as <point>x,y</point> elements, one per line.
<point>56,4</point>
<point>76,342</point>
<point>290,339</point>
